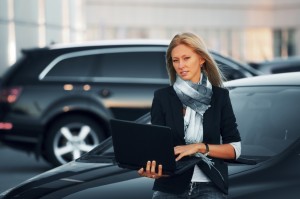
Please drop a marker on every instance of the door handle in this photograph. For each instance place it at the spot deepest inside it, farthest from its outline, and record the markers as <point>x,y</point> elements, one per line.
<point>105,92</point>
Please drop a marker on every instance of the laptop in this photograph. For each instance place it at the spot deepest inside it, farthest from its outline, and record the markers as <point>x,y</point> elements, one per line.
<point>134,144</point>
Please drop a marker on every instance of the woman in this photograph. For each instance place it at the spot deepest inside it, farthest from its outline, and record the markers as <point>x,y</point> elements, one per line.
<point>199,112</point>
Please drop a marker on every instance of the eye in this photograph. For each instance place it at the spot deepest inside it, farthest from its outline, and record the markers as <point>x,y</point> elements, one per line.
<point>186,58</point>
<point>175,60</point>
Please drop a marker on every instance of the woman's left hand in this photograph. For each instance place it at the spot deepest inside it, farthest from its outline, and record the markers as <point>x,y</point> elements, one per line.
<point>187,150</point>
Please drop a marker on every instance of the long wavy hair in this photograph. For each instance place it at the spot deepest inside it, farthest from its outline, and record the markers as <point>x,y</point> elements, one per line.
<point>196,43</point>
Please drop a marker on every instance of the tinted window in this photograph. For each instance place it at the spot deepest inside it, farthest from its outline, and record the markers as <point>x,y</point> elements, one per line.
<point>229,72</point>
<point>125,64</point>
<point>131,64</point>
<point>267,118</point>
<point>73,67</point>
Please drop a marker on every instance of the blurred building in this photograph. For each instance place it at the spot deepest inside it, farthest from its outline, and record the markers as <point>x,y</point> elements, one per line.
<point>248,30</point>
<point>37,23</point>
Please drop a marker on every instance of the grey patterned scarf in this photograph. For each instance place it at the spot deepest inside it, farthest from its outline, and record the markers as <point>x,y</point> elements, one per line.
<point>197,98</point>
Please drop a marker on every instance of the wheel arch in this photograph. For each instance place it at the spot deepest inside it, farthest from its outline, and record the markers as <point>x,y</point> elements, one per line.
<point>96,117</point>
<point>73,105</point>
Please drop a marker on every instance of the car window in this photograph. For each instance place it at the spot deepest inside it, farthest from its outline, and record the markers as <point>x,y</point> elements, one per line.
<point>131,64</point>
<point>73,67</point>
<point>229,72</point>
<point>267,118</point>
<point>122,64</point>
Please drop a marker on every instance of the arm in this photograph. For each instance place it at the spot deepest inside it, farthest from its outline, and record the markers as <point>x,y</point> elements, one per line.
<point>222,151</point>
<point>228,131</point>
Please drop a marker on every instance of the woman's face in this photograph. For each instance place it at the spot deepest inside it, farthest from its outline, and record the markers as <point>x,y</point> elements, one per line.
<point>187,63</point>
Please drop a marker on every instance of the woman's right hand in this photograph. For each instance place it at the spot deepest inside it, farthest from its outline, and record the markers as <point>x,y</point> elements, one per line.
<point>150,170</point>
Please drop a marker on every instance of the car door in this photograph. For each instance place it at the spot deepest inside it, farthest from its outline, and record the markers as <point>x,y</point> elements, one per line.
<point>126,78</point>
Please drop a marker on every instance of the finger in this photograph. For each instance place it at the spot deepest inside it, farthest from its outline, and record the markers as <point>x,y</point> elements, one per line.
<point>180,156</point>
<point>178,150</point>
<point>153,166</point>
<point>159,170</point>
<point>148,167</point>
<point>141,171</point>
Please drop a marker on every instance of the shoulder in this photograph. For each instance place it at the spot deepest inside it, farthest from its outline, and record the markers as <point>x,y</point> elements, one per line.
<point>220,95</point>
<point>220,91</point>
<point>164,91</point>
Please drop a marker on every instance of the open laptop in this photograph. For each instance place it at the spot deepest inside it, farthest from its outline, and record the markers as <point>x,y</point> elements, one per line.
<point>135,144</point>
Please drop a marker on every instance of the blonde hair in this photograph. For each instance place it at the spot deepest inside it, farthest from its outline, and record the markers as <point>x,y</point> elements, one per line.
<point>193,41</point>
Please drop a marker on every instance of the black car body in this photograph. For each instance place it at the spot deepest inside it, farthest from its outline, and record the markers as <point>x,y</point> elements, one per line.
<point>266,109</point>
<point>56,101</point>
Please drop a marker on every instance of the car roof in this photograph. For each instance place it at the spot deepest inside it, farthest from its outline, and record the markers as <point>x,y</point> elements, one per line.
<point>282,79</point>
<point>113,43</point>
<point>142,42</point>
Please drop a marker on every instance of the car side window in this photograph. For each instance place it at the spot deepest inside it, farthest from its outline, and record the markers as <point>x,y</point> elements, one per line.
<point>130,65</point>
<point>229,72</point>
<point>108,64</point>
<point>73,67</point>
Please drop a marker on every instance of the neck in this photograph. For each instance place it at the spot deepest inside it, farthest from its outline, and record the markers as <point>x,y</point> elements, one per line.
<point>197,80</point>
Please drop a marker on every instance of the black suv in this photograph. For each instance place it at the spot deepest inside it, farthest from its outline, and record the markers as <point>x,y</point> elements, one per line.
<point>56,101</point>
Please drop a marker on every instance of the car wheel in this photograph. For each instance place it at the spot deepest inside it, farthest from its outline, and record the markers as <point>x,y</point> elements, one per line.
<point>70,137</point>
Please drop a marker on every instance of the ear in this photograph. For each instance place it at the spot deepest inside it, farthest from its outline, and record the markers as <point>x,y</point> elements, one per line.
<point>202,61</point>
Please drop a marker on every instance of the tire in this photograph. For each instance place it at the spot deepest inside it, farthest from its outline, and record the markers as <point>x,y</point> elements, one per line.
<point>70,137</point>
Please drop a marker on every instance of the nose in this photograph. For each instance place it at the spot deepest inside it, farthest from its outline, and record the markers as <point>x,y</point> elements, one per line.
<point>180,64</point>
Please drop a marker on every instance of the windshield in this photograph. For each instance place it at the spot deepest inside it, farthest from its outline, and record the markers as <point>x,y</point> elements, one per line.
<point>267,118</point>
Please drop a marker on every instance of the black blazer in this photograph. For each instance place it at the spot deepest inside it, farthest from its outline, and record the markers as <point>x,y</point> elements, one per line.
<point>218,121</point>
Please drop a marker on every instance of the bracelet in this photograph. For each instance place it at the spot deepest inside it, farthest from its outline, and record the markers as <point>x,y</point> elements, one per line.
<point>206,149</point>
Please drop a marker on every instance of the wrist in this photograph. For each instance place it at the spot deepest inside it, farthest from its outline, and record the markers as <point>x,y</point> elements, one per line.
<point>201,148</point>
<point>206,153</point>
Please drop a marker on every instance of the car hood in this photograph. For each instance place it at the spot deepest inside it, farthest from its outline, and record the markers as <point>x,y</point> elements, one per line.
<point>76,179</point>
<point>65,175</point>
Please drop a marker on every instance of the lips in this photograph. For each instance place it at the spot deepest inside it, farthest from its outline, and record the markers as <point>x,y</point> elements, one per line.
<point>183,73</point>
